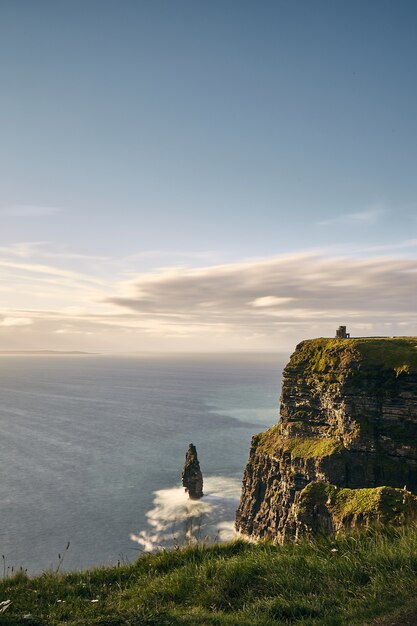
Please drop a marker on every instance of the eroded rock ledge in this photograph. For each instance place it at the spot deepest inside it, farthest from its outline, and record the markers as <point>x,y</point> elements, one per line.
<point>344,452</point>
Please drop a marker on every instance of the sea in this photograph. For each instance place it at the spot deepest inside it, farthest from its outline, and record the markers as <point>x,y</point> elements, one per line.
<point>92,449</point>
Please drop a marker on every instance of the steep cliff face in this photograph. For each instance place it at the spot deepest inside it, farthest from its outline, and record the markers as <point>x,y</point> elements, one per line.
<point>348,419</point>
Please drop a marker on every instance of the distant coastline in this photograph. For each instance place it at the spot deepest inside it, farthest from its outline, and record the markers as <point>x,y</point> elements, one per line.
<point>44,353</point>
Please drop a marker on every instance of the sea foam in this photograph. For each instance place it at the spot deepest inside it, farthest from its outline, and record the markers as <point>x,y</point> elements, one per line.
<point>176,520</point>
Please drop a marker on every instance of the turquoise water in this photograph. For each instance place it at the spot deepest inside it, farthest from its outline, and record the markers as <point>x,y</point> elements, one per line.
<point>92,450</point>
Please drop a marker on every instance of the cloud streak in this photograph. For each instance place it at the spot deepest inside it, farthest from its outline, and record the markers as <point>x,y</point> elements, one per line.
<point>264,294</point>
<point>29,210</point>
<point>258,304</point>
<point>370,216</point>
<point>8,322</point>
<point>34,268</point>
<point>40,249</point>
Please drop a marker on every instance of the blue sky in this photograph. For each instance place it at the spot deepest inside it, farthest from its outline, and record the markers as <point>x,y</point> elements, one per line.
<point>145,134</point>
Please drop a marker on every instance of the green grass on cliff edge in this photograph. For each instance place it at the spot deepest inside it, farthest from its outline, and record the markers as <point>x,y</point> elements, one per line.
<point>388,504</point>
<point>271,442</point>
<point>336,356</point>
<point>351,580</point>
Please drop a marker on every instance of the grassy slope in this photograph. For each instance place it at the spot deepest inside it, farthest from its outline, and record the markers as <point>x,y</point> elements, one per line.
<point>320,356</point>
<point>300,447</point>
<point>350,580</point>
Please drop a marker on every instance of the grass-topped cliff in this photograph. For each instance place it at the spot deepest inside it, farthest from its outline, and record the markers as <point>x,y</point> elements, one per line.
<point>353,579</point>
<point>348,420</point>
<point>336,357</point>
<point>326,365</point>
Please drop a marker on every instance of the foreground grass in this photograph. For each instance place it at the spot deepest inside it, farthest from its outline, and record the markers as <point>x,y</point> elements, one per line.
<point>351,580</point>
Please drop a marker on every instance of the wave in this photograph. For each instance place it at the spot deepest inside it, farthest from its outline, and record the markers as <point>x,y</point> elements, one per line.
<point>176,520</point>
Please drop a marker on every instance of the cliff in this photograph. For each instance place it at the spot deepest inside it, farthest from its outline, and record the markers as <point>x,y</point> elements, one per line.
<point>344,452</point>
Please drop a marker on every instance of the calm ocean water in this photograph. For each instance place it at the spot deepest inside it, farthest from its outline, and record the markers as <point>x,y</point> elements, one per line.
<point>92,448</point>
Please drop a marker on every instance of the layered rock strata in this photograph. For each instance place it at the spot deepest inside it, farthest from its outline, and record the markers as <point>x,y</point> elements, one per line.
<point>348,427</point>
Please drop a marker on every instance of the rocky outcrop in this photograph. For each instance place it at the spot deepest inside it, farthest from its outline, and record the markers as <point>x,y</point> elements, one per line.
<point>192,478</point>
<point>348,427</point>
<point>325,509</point>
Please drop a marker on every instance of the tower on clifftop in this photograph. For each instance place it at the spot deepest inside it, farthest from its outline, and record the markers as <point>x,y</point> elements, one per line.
<point>341,333</point>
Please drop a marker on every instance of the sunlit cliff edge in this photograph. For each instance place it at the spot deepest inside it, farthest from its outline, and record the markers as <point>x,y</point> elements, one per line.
<point>344,453</point>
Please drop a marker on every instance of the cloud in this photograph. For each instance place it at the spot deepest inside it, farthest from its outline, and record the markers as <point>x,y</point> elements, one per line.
<point>370,216</point>
<point>407,244</point>
<point>16,321</point>
<point>41,249</point>
<point>34,268</point>
<point>302,289</point>
<point>262,304</point>
<point>270,301</point>
<point>29,210</point>
<point>206,255</point>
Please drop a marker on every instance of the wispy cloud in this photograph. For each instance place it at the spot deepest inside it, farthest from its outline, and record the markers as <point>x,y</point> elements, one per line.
<point>261,294</point>
<point>23,249</point>
<point>254,304</point>
<point>399,246</point>
<point>206,255</point>
<point>35,268</point>
<point>270,301</point>
<point>44,250</point>
<point>15,321</point>
<point>369,216</point>
<point>28,210</point>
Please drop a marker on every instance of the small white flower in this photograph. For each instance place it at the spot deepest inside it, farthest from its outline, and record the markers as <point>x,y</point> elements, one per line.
<point>5,605</point>
<point>334,550</point>
<point>94,600</point>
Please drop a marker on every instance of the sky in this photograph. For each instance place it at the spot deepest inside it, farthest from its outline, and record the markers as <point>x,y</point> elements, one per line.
<point>201,176</point>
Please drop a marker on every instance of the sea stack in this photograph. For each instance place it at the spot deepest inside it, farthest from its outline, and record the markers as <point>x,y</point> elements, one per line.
<point>192,478</point>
